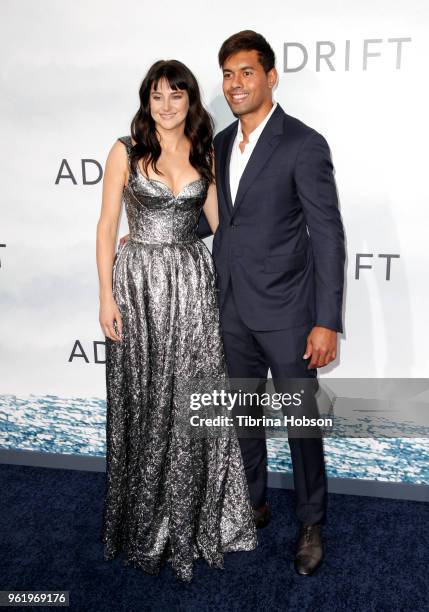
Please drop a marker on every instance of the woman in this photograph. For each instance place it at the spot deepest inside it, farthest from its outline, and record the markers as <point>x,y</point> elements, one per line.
<point>169,496</point>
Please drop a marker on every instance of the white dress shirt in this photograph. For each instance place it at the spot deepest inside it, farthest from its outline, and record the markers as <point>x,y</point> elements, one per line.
<point>238,159</point>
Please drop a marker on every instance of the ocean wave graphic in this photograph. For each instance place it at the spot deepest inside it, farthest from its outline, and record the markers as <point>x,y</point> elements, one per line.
<point>76,425</point>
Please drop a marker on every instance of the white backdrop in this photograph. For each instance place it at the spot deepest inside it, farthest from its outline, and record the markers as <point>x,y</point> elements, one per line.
<point>70,74</point>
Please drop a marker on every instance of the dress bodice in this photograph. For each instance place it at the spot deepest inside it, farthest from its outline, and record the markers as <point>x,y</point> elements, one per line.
<point>155,215</point>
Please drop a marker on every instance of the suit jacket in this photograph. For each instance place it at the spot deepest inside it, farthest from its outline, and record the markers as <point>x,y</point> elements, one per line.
<point>282,243</point>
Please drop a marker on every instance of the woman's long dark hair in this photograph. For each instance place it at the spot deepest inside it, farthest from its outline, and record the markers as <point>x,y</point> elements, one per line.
<point>198,126</point>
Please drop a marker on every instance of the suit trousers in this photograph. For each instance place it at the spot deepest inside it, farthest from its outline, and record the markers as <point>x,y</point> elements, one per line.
<point>249,355</point>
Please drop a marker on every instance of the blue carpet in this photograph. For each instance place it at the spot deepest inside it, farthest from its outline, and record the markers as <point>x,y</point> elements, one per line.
<point>377,554</point>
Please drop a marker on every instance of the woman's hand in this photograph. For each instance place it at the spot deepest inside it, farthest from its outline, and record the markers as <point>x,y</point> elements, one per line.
<point>110,317</point>
<point>123,240</point>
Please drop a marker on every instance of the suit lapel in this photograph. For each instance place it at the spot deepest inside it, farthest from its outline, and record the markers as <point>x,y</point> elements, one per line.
<point>267,142</point>
<point>224,160</point>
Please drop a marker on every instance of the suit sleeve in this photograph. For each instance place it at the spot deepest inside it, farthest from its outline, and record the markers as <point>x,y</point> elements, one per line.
<point>318,194</point>
<point>204,229</point>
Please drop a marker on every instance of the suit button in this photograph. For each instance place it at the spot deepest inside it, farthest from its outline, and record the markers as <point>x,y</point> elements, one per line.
<point>233,225</point>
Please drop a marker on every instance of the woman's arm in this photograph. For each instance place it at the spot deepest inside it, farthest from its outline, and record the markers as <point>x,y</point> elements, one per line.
<point>210,208</point>
<point>115,177</point>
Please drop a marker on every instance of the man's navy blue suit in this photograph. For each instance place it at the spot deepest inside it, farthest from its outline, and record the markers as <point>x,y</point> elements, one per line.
<point>279,255</point>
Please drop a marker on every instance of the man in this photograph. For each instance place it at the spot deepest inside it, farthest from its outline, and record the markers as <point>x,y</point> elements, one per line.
<point>279,255</point>
<point>280,287</point>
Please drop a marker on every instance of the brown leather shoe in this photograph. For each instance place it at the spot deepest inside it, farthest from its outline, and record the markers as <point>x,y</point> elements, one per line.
<point>309,551</point>
<point>262,516</point>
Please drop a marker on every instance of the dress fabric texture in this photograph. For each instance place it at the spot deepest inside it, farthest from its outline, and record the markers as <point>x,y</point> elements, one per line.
<point>168,496</point>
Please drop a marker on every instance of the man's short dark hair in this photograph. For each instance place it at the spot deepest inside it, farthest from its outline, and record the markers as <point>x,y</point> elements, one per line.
<point>248,40</point>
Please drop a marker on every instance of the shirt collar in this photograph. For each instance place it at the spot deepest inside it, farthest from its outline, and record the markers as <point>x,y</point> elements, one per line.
<point>257,131</point>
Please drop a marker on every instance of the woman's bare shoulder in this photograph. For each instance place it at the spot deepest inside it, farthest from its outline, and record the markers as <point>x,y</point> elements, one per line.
<point>118,155</point>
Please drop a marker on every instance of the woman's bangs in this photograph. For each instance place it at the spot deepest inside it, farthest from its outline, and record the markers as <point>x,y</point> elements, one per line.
<point>174,79</point>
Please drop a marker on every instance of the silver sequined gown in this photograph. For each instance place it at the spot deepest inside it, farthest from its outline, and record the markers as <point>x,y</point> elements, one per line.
<point>167,496</point>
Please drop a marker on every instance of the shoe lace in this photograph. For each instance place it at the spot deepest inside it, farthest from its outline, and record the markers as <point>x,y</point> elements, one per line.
<point>307,532</point>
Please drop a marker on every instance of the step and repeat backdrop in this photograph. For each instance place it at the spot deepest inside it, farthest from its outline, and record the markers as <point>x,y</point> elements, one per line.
<point>70,76</point>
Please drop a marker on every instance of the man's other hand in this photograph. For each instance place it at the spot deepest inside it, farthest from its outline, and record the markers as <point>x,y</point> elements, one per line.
<point>123,240</point>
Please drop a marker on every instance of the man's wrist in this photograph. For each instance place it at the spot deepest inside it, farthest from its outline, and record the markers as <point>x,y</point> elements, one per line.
<point>330,327</point>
